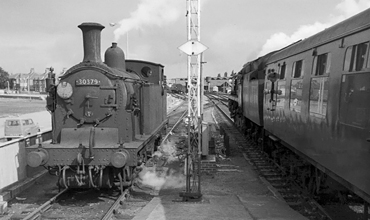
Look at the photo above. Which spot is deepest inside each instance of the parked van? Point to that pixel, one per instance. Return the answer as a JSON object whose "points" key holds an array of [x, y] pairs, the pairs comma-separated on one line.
{"points": [[20, 127]]}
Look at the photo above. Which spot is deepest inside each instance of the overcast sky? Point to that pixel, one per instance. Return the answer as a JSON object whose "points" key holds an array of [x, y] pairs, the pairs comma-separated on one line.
{"points": [[42, 33]]}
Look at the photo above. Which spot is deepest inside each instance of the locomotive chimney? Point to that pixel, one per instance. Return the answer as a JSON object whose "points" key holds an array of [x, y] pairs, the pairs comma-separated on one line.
{"points": [[115, 57], [91, 40]]}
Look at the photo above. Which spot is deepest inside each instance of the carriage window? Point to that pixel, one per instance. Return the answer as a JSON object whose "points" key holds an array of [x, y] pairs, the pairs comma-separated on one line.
{"points": [[296, 95], [280, 96], [297, 69], [321, 64], [354, 99], [282, 71], [319, 96], [266, 92], [355, 57]]}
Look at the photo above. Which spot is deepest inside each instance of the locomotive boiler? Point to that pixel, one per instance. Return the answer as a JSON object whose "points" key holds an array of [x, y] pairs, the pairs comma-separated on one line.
{"points": [[107, 117], [307, 106]]}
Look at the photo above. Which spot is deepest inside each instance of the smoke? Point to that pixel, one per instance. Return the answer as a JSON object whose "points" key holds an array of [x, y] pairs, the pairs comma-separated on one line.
{"points": [[149, 12], [352, 7], [167, 151], [160, 176], [152, 12], [347, 8]]}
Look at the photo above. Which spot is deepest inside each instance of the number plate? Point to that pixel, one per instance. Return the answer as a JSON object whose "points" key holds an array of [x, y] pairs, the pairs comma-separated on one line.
{"points": [[87, 82]]}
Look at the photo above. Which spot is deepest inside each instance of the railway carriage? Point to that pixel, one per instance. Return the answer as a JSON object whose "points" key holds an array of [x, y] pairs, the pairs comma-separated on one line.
{"points": [[315, 97]]}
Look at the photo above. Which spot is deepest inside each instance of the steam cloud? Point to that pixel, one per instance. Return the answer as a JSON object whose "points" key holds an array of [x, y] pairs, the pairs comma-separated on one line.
{"points": [[279, 40], [157, 179], [149, 12], [162, 177], [167, 150]]}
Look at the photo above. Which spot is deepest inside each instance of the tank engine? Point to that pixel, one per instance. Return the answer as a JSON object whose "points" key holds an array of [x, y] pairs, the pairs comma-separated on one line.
{"points": [[178, 88], [107, 118], [312, 98]]}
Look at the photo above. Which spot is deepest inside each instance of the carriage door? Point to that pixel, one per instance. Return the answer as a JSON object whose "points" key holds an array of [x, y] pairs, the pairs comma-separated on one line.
{"points": [[355, 92], [355, 102], [271, 90]]}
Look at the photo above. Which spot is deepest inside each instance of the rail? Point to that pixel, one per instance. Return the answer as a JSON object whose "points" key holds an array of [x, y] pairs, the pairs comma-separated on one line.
{"points": [[37, 212], [113, 209], [174, 126]]}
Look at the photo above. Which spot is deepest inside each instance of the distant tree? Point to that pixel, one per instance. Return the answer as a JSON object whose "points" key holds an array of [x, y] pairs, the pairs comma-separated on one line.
{"points": [[219, 75], [225, 74], [4, 77]]}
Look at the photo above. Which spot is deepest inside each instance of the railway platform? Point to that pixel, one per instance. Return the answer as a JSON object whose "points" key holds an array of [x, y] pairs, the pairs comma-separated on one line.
{"points": [[253, 205], [233, 191]]}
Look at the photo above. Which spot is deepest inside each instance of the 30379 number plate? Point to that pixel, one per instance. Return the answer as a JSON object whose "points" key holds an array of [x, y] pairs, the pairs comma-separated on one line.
{"points": [[87, 82]]}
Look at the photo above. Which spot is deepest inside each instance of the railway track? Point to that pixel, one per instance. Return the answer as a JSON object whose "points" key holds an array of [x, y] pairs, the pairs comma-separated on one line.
{"points": [[179, 96], [36, 214], [107, 204], [177, 114], [282, 187], [174, 110], [51, 209], [113, 209], [176, 119]]}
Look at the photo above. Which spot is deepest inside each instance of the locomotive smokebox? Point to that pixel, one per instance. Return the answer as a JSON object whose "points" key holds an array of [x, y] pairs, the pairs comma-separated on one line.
{"points": [[91, 41], [114, 57]]}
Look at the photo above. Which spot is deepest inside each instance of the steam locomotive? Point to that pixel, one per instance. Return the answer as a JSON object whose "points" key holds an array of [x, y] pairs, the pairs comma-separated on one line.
{"points": [[178, 88], [308, 107], [107, 118]]}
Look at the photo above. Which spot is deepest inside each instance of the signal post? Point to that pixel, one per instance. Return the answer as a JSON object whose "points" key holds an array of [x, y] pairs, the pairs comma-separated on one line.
{"points": [[194, 49]]}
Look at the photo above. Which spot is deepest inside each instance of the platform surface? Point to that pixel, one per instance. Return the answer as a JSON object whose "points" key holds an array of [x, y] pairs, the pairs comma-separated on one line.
{"points": [[235, 191], [219, 207]]}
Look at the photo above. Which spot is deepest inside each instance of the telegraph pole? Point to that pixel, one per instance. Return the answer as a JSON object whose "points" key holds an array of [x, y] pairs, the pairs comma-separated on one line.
{"points": [[194, 49]]}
